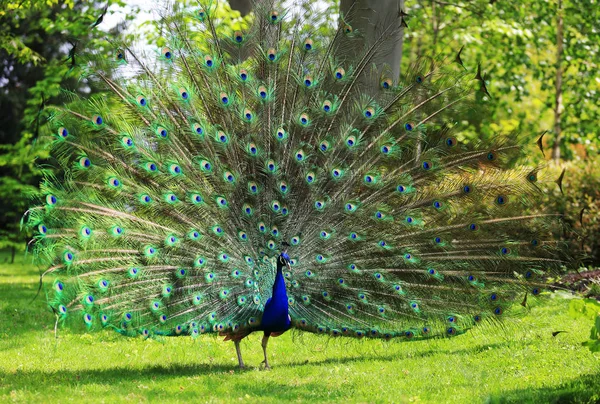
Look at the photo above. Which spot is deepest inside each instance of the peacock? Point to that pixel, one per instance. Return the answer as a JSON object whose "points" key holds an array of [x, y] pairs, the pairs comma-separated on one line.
{"points": [[274, 178]]}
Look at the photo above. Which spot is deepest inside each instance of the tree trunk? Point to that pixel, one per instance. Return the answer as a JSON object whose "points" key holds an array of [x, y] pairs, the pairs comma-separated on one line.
{"points": [[558, 104], [243, 6], [369, 18]]}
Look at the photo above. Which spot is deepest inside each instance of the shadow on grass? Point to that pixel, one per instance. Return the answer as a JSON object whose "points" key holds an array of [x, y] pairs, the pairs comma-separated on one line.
{"points": [[584, 389], [119, 373], [413, 355], [153, 380], [8, 275], [124, 380]]}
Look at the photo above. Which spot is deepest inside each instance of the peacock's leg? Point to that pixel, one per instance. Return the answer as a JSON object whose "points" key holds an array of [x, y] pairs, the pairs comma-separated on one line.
{"points": [[239, 353], [265, 341]]}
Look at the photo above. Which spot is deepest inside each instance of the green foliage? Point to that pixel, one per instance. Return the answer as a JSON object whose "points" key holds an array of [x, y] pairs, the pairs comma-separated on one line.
{"points": [[17, 187], [19, 11], [520, 362], [588, 309], [517, 49], [581, 185], [35, 42], [516, 46]]}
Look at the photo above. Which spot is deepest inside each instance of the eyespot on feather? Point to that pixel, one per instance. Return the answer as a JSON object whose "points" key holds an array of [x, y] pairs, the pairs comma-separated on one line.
{"points": [[184, 94], [262, 92], [451, 141], [308, 81], [224, 98], [84, 163], [492, 155], [308, 44], [120, 56], [97, 120], [238, 37], [303, 119], [386, 83], [274, 17], [166, 53], [161, 132]]}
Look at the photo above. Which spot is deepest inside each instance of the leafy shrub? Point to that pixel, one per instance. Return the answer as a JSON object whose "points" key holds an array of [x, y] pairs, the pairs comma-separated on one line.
{"points": [[588, 309], [581, 187]]}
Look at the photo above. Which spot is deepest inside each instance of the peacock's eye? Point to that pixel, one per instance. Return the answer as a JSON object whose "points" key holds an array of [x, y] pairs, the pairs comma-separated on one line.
{"points": [[238, 36], [84, 162], [51, 200], [167, 53]]}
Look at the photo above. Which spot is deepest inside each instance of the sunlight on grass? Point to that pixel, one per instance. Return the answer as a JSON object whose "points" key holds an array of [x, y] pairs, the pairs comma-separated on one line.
{"points": [[519, 362]]}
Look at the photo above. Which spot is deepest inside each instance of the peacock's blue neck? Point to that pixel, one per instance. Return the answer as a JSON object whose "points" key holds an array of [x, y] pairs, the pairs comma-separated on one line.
{"points": [[276, 317], [279, 291]]}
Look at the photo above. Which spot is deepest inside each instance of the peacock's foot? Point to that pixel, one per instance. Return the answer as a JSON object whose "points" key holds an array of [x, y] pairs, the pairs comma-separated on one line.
{"points": [[267, 367]]}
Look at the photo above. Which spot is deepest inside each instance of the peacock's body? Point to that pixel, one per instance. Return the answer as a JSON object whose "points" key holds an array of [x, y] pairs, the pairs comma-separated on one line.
{"points": [[182, 188]]}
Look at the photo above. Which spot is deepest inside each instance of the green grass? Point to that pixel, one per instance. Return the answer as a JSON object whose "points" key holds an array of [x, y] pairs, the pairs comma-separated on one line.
{"points": [[520, 362]]}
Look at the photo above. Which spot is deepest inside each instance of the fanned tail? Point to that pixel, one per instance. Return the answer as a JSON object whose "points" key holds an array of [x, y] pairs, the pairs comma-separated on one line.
{"points": [[178, 186]]}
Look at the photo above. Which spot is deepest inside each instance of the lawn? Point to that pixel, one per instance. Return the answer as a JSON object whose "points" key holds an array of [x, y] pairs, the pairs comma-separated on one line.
{"points": [[520, 362]]}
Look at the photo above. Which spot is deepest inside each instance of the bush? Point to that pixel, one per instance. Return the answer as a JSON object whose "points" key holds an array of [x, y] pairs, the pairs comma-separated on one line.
{"points": [[581, 187]]}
